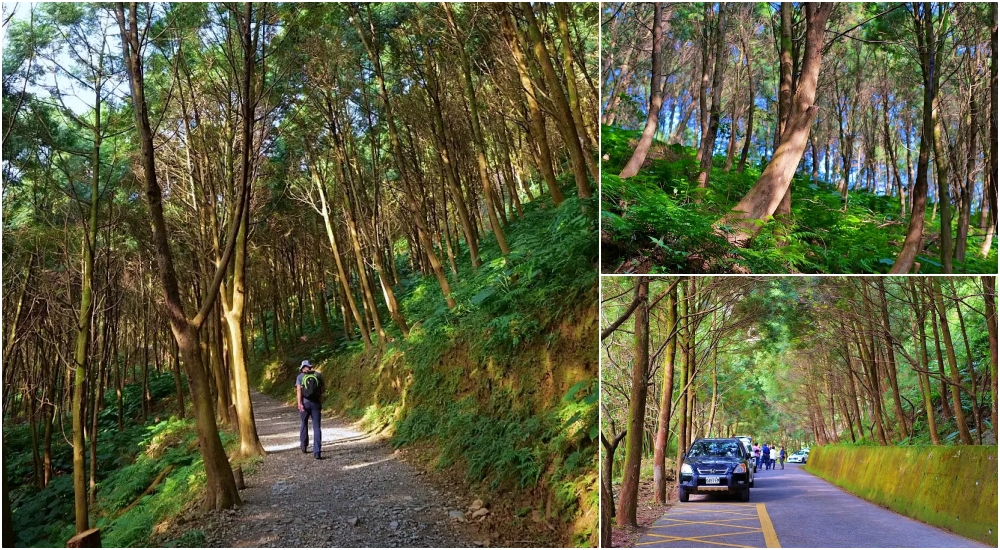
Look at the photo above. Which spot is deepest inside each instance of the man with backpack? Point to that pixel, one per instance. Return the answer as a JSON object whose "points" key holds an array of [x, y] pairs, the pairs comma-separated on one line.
{"points": [[309, 394]]}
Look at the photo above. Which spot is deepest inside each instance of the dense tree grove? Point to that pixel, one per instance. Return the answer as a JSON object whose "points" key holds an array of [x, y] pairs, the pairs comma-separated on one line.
{"points": [[890, 105], [797, 361], [181, 181]]}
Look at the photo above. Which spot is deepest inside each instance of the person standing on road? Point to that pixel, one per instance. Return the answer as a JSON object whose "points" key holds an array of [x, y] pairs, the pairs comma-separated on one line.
{"points": [[756, 454], [782, 455], [309, 394], [774, 457], [765, 454]]}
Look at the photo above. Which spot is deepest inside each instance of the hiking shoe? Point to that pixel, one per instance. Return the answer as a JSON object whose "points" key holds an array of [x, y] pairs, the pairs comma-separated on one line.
{"points": [[320, 458]]}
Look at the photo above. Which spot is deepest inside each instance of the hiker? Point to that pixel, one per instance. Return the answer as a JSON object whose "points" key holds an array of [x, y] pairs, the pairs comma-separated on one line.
{"points": [[765, 452], [756, 455], [309, 394], [774, 457], [782, 456]]}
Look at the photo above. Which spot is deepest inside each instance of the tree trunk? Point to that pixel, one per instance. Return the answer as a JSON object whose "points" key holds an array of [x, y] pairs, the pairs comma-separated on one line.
{"points": [[571, 136], [748, 137], [920, 314], [913, 243], [666, 397], [965, 214], [785, 88], [763, 199], [220, 486], [637, 410], [708, 146], [81, 355], [956, 380], [990, 301], [655, 99], [904, 431], [477, 135]]}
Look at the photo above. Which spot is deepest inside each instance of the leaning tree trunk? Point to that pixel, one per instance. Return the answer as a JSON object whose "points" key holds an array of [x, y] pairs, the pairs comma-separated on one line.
{"points": [[785, 89], [655, 99], [763, 199]]}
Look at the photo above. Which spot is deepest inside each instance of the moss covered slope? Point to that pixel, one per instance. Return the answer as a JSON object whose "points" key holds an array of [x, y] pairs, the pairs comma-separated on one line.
{"points": [[920, 482]]}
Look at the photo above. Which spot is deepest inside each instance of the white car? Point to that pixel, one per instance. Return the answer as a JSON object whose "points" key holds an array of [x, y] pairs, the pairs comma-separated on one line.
{"points": [[799, 457]]}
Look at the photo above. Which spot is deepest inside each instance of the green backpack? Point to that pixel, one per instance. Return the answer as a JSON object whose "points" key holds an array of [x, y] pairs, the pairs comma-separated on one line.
{"points": [[312, 387]]}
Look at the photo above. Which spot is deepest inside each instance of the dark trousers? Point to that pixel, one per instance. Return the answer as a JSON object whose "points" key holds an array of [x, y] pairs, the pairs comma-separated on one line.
{"points": [[311, 410]]}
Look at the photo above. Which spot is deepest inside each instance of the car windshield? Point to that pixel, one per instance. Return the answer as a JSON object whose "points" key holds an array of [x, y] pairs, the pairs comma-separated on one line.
{"points": [[714, 449]]}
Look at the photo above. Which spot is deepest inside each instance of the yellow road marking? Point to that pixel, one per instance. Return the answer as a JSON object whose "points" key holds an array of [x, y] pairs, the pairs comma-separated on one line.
{"points": [[677, 537], [693, 539], [770, 536], [720, 522]]}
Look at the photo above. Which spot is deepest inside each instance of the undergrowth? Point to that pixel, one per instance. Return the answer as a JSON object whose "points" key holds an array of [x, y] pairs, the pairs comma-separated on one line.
{"points": [[127, 463], [504, 385], [659, 221]]}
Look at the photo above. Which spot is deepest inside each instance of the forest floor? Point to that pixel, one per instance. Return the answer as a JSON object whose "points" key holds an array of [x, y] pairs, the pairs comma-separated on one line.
{"points": [[362, 495]]}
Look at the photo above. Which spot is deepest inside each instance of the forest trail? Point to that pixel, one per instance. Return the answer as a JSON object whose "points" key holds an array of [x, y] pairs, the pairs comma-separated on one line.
{"points": [[362, 495]]}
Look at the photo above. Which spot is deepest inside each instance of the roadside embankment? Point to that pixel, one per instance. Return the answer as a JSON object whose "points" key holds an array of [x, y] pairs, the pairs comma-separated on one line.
{"points": [[953, 487]]}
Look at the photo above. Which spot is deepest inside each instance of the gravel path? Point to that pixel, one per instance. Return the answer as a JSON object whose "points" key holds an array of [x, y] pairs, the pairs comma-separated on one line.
{"points": [[362, 495]]}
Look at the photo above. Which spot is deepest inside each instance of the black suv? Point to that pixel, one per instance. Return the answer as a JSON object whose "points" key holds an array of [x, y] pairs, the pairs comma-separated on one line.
{"points": [[716, 466]]}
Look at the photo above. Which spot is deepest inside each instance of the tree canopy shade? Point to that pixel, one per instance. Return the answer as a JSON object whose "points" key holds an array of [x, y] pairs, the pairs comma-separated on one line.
{"points": [[845, 138], [184, 181], [794, 361]]}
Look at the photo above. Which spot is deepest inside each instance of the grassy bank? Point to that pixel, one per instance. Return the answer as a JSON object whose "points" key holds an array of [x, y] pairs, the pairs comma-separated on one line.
{"points": [[502, 388], [954, 487]]}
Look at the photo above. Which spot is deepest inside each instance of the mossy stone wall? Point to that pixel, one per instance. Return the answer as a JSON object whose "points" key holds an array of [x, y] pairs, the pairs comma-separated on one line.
{"points": [[953, 487]]}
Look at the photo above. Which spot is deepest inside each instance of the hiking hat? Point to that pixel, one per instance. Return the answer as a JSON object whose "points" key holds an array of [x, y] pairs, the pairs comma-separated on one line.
{"points": [[304, 364]]}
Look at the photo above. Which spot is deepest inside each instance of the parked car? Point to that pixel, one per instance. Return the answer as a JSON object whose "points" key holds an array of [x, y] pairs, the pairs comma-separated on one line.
{"points": [[748, 445], [798, 456], [718, 465]]}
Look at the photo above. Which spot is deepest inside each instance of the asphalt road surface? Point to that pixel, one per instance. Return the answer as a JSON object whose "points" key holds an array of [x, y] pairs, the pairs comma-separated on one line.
{"points": [[793, 508]]}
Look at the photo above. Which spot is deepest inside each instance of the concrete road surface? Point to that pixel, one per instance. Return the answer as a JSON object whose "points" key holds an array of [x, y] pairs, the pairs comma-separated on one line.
{"points": [[794, 509]]}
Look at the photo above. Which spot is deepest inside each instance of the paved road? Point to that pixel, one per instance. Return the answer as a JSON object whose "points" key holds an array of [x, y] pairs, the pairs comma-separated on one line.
{"points": [[793, 508]]}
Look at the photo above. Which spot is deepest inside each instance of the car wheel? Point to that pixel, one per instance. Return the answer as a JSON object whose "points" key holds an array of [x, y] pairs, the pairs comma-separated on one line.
{"points": [[682, 495], [745, 495]]}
